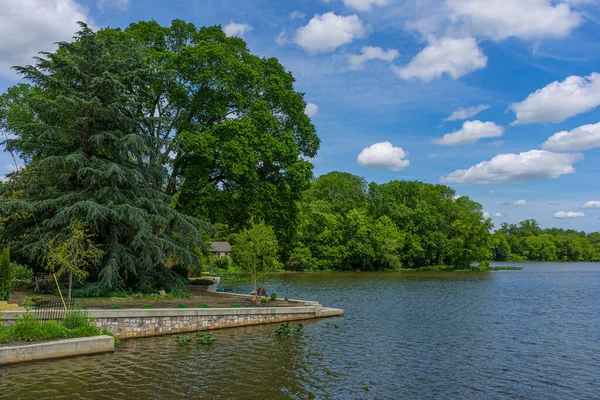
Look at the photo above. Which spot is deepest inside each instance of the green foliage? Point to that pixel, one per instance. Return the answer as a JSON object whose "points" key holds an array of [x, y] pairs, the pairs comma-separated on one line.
{"points": [[147, 306], [5, 336], [222, 263], [285, 329], [273, 296], [527, 241], [203, 305], [181, 339], [264, 299], [6, 275], [75, 319], [117, 307], [236, 306], [345, 224], [205, 338], [254, 250], [29, 329], [21, 274], [182, 306], [85, 128]]}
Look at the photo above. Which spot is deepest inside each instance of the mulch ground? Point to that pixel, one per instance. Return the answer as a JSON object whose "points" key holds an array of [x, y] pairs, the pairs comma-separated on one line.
{"points": [[199, 296]]}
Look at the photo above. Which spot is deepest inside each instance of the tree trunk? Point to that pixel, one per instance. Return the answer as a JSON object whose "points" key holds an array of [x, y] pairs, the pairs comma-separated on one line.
{"points": [[70, 284]]}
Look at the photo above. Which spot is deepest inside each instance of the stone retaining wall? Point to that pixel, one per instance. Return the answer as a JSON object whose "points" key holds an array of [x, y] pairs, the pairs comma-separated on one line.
{"points": [[132, 323]]}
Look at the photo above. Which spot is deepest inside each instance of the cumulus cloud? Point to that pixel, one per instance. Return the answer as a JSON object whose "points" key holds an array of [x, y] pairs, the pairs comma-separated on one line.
{"points": [[466, 113], [357, 61], [568, 214], [520, 203], [516, 168], [365, 5], [591, 204], [383, 156], [471, 133], [325, 33], [498, 215], [30, 26], [121, 4], [311, 110], [525, 19], [486, 214], [455, 57], [236, 29], [583, 138], [559, 100]]}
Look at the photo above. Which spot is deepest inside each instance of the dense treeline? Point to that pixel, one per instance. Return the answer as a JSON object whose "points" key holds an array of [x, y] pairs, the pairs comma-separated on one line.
{"points": [[528, 242], [346, 224]]}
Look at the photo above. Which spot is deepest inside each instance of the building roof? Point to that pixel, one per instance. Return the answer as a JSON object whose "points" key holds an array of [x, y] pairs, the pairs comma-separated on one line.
{"points": [[220, 247]]}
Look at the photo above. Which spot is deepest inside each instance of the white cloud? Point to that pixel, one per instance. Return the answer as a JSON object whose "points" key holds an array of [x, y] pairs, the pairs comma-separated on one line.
{"points": [[525, 19], [282, 39], [559, 100], [486, 214], [568, 214], [583, 138], [325, 33], [455, 57], [591, 204], [498, 215], [383, 156], [236, 29], [121, 4], [520, 203], [365, 5], [471, 133], [357, 61], [466, 113], [516, 168], [297, 15], [311, 110], [30, 26]]}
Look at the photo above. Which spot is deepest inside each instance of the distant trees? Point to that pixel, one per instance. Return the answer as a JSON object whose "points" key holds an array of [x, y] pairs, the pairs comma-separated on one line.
{"points": [[527, 241], [346, 224]]}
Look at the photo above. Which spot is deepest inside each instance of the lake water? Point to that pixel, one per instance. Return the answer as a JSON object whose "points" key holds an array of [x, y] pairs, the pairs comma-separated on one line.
{"points": [[530, 334]]}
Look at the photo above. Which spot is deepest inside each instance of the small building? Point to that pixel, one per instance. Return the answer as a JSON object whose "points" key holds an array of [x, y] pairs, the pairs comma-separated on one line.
{"points": [[220, 249]]}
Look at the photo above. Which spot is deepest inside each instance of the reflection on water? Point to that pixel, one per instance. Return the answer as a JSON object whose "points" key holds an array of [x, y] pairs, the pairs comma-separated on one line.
{"points": [[520, 334]]}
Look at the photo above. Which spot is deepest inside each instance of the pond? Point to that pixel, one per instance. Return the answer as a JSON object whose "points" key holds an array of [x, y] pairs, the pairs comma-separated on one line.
{"points": [[524, 334]]}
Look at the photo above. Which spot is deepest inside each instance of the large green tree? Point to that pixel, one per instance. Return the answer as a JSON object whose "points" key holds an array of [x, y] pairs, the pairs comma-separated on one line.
{"points": [[229, 125], [79, 129]]}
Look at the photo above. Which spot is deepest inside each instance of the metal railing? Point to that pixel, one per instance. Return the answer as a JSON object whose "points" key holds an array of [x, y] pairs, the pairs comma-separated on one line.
{"points": [[55, 310]]}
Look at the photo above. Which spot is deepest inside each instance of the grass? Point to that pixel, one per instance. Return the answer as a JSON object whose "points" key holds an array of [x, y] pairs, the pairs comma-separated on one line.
{"points": [[29, 329], [236, 306], [203, 305], [147, 306]]}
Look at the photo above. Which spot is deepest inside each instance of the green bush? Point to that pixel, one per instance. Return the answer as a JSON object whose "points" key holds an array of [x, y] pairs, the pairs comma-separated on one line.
{"points": [[182, 306], [4, 334], [117, 307], [147, 306], [84, 331], [203, 305], [6, 275], [236, 306], [75, 319], [21, 274], [264, 299], [273, 296]]}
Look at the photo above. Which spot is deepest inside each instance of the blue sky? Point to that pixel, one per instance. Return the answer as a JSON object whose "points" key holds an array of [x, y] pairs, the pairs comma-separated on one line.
{"points": [[521, 79]]}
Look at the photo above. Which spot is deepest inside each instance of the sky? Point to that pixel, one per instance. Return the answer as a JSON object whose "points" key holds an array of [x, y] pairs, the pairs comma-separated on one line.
{"points": [[499, 99]]}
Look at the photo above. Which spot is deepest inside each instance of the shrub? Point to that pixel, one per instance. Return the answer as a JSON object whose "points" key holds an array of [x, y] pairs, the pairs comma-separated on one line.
{"points": [[264, 299], [222, 263], [205, 338], [179, 294], [21, 274], [182, 306], [6, 275], [85, 331], [75, 319], [273, 296], [117, 307], [147, 306], [203, 305], [4, 334], [236, 306]]}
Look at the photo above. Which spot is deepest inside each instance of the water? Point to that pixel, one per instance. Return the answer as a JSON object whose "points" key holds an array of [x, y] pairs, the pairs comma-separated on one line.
{"points": [[530, 334]]}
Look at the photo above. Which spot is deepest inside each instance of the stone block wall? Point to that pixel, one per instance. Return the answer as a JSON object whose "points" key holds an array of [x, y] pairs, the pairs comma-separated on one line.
{"points": [[131, 327]]}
